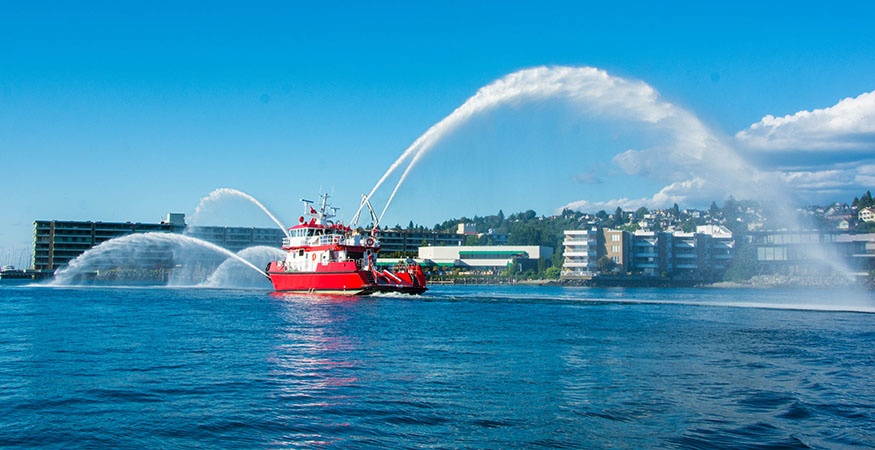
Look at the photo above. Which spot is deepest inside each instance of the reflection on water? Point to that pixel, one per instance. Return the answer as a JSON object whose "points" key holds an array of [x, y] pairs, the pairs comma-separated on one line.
{"points": [[460, 367], [312, 364]]}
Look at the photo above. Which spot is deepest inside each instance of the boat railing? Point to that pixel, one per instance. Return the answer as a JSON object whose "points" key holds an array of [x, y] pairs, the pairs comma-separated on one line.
{"points": [[327, 239]]}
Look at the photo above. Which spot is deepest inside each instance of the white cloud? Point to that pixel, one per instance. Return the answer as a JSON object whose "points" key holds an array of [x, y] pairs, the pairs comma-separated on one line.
{"points": [[848, 125], [687, 192], [818, 180], [823, 154], [865, 175]]}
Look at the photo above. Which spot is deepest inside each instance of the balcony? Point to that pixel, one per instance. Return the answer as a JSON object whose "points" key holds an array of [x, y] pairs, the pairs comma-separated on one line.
{"points": [[578, 264], [580, 254]]}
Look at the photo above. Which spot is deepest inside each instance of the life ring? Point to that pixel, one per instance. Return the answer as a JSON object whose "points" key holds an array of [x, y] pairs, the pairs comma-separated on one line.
{"points": [[369, 241], [314, 257]]}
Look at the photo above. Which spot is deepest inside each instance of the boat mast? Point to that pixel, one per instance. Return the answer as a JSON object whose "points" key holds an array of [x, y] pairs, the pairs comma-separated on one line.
{"points": [[355, 219]]}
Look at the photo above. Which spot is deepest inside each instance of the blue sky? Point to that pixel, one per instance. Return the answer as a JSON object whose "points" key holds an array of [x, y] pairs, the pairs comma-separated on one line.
{"points": [[121, 111]]}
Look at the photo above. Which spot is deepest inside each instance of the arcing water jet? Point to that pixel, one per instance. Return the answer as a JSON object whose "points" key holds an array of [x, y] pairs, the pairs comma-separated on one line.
{"points": [[700, 163], [127, 251], [229, 275], [228, 192], [594, 91]]}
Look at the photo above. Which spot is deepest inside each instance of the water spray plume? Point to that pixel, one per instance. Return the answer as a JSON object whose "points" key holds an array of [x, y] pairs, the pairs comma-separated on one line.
{"points": [[228, 192], [127, 250], [697, 164], [229, 275], [595, 92]]}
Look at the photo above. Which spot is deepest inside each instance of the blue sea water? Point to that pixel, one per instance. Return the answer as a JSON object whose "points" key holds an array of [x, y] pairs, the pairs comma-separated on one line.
{"points": [[460, 367]]}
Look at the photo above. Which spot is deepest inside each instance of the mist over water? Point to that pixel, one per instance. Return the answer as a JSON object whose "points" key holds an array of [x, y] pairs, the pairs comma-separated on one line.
{"points": [[148, 257], [231, 272], [140, 251]]}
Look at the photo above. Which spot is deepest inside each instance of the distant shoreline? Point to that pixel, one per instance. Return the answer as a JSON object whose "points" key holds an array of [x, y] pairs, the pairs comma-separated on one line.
{"points": [[757, 282]]}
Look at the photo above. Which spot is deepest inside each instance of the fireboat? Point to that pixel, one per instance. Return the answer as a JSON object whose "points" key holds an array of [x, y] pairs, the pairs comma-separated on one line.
{"points": [[324, 257]]}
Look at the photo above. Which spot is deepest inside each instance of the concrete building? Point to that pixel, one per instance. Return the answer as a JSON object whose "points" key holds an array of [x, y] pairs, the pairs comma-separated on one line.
{"points": [[704, 254], [651, 253], [466, 229], [407, 242], [580, 253], [238, 238], [812, 252], [56, 243], [720, 245], [484, 258], [616, 245]]}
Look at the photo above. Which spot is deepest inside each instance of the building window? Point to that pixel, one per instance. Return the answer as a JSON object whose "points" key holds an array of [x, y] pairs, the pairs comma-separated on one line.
{"points": [[615, 238], [615, 249]]}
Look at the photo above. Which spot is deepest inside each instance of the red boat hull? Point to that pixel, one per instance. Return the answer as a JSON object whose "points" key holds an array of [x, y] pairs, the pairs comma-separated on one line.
{"points": [[345, 279]]}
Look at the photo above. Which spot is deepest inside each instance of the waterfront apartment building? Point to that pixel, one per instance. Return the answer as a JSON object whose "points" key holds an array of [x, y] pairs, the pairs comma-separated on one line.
{"points": [[616, 245], [581, 253], [590, 252], [704, 254]]}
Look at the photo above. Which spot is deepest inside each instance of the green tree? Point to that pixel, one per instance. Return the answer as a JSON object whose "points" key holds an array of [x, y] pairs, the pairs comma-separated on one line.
{"points": [[606, 264], [744, 263], [866, 200], [714, 210], [524, 234], [641, 212], [552, 273]]}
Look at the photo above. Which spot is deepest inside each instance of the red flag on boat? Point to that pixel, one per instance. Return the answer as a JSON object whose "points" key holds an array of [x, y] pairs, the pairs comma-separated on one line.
{"points": [[312, 211]]}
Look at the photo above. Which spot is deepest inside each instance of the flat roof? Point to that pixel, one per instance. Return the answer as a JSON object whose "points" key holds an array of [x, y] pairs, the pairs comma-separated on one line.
{"points": [[493, 252]]}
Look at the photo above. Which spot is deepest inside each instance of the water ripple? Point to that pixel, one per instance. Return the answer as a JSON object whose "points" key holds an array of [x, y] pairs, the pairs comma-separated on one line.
{"points": [[463, 367]]}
